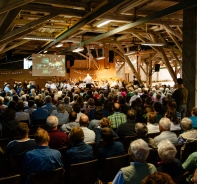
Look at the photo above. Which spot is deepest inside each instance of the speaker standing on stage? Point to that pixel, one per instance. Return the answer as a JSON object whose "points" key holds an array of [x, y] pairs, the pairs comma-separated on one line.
{"points": [[88, 81]]}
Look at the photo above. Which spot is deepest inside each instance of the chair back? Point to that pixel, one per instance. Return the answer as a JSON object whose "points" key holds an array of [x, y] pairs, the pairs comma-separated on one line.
{"points": [[85, 172], [181, 179], [178, 148], [188, 149], [127, 141], [15, 163], [33, 129], [11, 180], [110, 167], [48, 177]]}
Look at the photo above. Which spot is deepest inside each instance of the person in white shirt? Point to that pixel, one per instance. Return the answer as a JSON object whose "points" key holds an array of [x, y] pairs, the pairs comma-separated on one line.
{"points": [[133, 98], [152, 125], [89, 135], [88, 81]]}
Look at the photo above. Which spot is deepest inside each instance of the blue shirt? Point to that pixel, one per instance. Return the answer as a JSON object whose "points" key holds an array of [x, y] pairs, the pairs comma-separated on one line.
{"points": [[79, 152], [39, 113], [49, 107], [194, 121], [42, 158]]}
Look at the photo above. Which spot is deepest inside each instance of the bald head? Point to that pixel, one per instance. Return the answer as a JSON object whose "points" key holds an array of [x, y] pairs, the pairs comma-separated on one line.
{"points": [[116, 106], [84, 120]]}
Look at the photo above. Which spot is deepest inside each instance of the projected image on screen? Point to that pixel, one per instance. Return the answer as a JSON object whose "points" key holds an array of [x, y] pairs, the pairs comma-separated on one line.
{"points": [[48, 65]]}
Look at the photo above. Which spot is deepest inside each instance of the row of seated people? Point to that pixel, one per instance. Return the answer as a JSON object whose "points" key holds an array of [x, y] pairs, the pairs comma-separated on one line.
{"points": [[42, 158], [141, 127]]}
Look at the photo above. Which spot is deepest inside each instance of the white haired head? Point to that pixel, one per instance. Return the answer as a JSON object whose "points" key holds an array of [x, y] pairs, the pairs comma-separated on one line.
{"points": [[139, 150]]}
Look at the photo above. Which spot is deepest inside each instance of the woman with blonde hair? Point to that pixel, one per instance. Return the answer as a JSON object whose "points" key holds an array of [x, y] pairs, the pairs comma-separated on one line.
{"points": [[152, 125]]}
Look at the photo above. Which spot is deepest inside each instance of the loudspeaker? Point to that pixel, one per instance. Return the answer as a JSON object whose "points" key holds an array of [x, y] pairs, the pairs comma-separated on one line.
{"points": [[157, 67], [9, 56], [111, 56], [67, 70]]}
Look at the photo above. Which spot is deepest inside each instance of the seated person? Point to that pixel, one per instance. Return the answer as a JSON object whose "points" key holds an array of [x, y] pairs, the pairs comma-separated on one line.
{"points": [[127, 128], [23, 144], [21, 115], [57, 139], [142, 133], [164, 127], [89, 135], [103, 123], [110, 147], [194, 117], [169, 163], [61, 114], [152, 125], [39, 113], [189, 133], [42, 158], [138, 169], [79, 151], [72, 123], [190, 165]]}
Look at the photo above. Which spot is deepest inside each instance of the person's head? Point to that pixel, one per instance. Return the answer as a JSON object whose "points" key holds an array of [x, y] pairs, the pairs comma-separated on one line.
{"points": [[41, 137], [76, 135], [98, 113], [158, 177], [172, 104], [48, 99], [116, 107], [12, 105], [107, 134], [157, 107], [52, 122], [194, 111], [152, 118], [148, 101], [179, 81], [22, 130], [166, 151], [131, 114], [186, 124], [72, 116], [30, 103], [1, 100], [66, 100], [105, 122], [172, 115], [91, 101], [61, 108], [39, 103], [164, 124], [139, 150], [75, 97], [141, 129], [20, 106], [76, 108], [84, 120]]}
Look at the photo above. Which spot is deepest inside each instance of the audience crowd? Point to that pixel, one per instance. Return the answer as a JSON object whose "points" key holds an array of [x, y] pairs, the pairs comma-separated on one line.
{"points": [[92, 123]]}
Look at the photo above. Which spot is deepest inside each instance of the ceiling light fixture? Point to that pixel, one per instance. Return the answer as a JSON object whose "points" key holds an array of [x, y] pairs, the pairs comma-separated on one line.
{"points": [[153, 44], [41, 38], [79, 49], [45, 51], [103, 23], [59, 45]]}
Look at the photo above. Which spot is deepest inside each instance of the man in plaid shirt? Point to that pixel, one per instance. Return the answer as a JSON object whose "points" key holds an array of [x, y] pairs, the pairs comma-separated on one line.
{"points": [[117, 117]]}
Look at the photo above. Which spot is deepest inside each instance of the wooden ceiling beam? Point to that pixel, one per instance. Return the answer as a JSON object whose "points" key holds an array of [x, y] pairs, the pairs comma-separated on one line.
{"points": [[15, 33], [65, 3], [13, 4], [11, 16], [14, 46], [173, 32], [51, 9]]}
